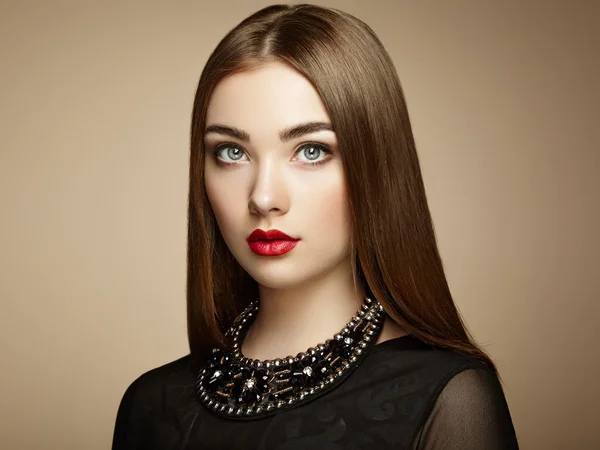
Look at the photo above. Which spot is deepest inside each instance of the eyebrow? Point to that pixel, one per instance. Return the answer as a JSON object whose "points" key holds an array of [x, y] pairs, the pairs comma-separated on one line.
{"points": [[284, 135]]}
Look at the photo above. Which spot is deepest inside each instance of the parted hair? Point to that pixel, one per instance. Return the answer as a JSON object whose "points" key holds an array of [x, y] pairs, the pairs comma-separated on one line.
{"points": [[393, 245]]}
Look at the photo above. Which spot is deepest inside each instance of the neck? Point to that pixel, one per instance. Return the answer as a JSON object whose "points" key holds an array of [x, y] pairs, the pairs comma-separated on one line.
{"points": [[293, 319]]}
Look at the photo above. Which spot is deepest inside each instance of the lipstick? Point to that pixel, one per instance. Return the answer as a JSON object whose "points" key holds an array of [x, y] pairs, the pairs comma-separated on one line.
{"points": [[271, 242]]}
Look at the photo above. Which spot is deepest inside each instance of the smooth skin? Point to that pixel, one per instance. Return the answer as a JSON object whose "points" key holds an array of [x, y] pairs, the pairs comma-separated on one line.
{"points": [[256, 179]]}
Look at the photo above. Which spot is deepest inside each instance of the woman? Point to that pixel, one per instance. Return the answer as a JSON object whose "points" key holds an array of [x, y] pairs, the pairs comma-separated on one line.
{"points": [[310, 235]]}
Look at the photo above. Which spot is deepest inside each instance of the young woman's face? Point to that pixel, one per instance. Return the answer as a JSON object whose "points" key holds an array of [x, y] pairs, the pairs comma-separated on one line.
{"points": [[257, 177]]}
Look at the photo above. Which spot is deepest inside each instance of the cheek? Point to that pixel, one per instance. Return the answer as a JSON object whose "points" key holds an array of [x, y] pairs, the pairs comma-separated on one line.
{"points": [[333, 212], [222, 201]]}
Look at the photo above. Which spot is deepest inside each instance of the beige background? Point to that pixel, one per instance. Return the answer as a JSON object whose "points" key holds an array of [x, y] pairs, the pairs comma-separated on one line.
{"points": [[95, 104]]}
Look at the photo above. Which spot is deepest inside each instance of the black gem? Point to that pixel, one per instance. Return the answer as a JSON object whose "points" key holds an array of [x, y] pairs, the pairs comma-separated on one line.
{"points": [[251, 386], [214, 380]]}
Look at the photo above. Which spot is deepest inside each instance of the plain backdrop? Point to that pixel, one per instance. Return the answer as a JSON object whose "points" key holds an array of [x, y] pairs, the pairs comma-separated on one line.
{"points": [[95, 103]]}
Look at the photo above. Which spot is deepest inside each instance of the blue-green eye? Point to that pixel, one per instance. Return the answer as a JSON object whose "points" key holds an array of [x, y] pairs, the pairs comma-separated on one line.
{"points": [[312, 152], [230, 154]]}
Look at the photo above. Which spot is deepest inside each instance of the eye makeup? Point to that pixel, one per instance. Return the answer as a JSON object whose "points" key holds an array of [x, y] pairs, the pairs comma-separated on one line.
{"points": [[215, 150]]}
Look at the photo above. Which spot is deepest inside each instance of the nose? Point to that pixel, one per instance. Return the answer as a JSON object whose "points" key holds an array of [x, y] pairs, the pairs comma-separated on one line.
{"points": [[268, 195]]}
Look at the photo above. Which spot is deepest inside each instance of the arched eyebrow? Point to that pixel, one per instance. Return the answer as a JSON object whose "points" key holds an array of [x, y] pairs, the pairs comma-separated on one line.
{"points": [[286, 134]]}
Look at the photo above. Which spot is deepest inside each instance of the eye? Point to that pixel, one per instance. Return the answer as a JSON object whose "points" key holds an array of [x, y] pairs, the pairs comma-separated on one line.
{"points": [[312, 151], [231, 151]]}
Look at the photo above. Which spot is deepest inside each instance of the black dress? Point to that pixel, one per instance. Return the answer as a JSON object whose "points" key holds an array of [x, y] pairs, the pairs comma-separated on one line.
{"points": [[404, 395]]}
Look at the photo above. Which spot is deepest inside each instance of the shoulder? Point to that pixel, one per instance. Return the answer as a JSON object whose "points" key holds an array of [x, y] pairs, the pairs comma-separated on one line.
{"points": [[462, 401], [169, 373], [162, 399], [407, 356]]}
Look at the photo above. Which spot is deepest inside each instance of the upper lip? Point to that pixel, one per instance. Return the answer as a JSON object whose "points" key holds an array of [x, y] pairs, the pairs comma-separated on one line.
{"points": [[269, 235]]}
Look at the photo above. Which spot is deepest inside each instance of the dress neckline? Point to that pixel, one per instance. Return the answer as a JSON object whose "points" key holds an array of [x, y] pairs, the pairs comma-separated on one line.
{"points": [[405, 342]]}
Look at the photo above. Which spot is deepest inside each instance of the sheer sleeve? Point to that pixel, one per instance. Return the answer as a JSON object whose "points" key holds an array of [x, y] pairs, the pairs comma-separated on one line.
{"points": [[470, 413]]}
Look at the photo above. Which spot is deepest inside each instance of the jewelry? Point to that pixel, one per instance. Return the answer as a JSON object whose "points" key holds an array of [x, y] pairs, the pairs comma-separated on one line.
{"points": [[237, 387]]}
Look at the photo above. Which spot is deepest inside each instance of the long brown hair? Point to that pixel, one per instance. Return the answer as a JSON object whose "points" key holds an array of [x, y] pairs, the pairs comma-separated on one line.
{"points": [[395, 254]]}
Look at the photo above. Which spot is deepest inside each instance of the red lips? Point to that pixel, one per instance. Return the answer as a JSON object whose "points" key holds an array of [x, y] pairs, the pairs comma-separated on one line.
{"points": [[271, 242], [269, 235]]}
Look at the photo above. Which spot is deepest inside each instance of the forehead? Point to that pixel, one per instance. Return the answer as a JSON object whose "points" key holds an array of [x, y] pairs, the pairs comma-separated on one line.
{"points": [[265, 99]]}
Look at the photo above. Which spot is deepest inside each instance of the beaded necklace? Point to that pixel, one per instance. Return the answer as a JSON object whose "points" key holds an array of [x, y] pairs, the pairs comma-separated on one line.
{"points": [[237, 387]]}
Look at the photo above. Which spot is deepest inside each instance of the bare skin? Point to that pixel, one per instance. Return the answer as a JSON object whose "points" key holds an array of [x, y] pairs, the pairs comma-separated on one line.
{"points": [[262, 181]]}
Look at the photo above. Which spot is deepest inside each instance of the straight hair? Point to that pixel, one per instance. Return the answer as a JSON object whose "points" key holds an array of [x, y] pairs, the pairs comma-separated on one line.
{"points": [[394, 253]]}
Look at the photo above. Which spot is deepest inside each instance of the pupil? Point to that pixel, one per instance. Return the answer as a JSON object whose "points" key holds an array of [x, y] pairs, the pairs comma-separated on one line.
{"points": [[313, 152], [232, 152]]}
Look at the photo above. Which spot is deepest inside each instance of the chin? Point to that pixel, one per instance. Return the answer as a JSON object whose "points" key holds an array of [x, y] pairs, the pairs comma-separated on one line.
{"points": [[279, 281]]}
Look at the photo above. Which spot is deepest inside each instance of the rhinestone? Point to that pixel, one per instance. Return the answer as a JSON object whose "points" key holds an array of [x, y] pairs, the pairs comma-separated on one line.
{"points": [[230, 410], [277, 362], [239, 411], [279, 403], [312, 390], [353, 359], [291, 400], [307, 371], [362, 344], [358, 351], [258, 409]]}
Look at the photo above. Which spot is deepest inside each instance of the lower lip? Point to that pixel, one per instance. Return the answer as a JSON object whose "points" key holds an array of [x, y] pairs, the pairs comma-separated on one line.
{"points": [[272, 248]]}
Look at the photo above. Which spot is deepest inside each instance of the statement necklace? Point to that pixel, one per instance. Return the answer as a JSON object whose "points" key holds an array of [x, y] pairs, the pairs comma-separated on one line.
{"points": [[237, 387]]}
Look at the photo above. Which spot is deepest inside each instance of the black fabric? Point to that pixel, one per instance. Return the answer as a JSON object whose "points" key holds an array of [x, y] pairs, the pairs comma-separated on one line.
{"points": [[404, 395]]}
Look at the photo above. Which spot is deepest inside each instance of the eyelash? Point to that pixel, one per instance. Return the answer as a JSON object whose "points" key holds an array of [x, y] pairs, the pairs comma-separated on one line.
{"points": [[215, 152]]}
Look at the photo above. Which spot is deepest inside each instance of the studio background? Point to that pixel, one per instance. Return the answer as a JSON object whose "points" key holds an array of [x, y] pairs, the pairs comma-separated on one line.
{"points": [[95, 104]]}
